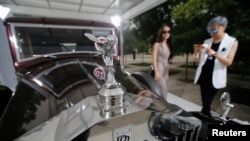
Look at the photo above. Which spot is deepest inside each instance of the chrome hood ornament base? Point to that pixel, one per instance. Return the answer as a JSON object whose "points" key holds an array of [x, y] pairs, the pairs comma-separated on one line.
{"points": [[111, 94]]}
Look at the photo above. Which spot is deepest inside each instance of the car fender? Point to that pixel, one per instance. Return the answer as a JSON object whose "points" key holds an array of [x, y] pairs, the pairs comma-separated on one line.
{"points": [[148, 81]]}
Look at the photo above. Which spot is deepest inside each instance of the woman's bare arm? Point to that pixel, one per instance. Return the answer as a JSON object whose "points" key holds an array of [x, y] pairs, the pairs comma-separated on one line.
{"points": [[230, 57], [154, 58], [197, 54]]}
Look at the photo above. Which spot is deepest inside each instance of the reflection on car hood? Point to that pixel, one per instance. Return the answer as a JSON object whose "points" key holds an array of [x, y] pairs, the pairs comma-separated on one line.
{"points": [[83, 115]]}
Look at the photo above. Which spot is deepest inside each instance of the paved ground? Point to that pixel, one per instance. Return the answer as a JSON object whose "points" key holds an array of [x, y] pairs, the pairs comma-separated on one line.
{"points": [[184, 87]]}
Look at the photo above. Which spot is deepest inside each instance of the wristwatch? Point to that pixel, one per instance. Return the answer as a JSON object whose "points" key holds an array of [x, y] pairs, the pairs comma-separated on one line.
{"points": [[213, 53]]}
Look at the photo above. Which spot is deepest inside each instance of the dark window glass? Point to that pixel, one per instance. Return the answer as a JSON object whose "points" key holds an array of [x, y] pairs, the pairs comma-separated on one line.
{"points": [[33, 41]]}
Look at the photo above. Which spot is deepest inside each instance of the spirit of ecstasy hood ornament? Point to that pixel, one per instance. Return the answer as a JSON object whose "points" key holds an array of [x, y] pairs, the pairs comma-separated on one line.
{"points": [[111, 94]]}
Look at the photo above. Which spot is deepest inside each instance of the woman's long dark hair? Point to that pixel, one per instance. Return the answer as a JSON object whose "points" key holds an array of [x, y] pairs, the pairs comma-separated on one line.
{"points": [[169, 41]]}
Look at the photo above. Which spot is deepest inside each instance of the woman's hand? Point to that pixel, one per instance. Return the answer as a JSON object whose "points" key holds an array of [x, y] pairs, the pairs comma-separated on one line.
{"points": [[157, 76], [196, 58], [197, 49]]}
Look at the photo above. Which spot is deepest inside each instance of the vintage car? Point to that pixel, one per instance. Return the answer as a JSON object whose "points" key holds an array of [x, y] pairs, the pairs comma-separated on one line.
{"points": [[62, 80]]}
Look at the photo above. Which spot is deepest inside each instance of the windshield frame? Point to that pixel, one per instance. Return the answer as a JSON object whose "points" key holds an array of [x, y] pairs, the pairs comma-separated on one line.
{"points": [[16, 47]]}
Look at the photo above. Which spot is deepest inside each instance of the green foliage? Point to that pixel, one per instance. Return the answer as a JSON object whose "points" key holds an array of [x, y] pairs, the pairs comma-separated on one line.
{"points": [[148, 24], [132, 43], [189, 10], [130, 40], [189, 24]]}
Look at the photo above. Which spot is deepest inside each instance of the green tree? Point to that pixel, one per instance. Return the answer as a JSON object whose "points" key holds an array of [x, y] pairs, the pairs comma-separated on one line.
{"points": [[189, 19], [130, 40], [189, 26], [147, 25], [196, 14]]}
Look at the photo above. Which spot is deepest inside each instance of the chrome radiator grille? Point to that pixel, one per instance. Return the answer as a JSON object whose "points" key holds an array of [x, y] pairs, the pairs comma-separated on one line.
{"points": [[174, 128]]}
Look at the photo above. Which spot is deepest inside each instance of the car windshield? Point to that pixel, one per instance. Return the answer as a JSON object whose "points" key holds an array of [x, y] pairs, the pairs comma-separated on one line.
{"points": [[34, 40]]}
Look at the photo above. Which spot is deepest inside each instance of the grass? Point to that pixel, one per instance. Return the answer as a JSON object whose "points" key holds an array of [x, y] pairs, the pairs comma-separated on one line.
{"points": [[144, 64], [239, 94], [192, 66]]}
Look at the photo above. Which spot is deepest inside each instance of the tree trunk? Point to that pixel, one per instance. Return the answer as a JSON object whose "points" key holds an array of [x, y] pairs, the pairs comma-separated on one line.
{"points": [[142, 57], [186, 67]]}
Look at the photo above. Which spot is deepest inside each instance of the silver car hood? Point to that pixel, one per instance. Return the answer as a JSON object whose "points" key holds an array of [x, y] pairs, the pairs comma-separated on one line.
{"points": [[85, 114]]}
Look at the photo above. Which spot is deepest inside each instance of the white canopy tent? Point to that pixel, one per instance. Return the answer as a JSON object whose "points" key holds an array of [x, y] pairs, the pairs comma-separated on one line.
{"points": [[97, 10]]}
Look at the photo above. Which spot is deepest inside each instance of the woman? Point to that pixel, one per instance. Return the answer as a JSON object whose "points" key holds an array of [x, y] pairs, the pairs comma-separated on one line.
{"points": [[162, 52], [216, 54]]}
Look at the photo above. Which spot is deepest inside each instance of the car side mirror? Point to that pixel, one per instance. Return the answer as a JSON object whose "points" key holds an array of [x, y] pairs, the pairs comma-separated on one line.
{"points": [[5, 96], [225, 100]]}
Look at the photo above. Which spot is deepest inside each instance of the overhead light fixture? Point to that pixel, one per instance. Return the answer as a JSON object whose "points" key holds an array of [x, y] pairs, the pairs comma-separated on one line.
{"points": [[116, 20], [4, 11]]}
